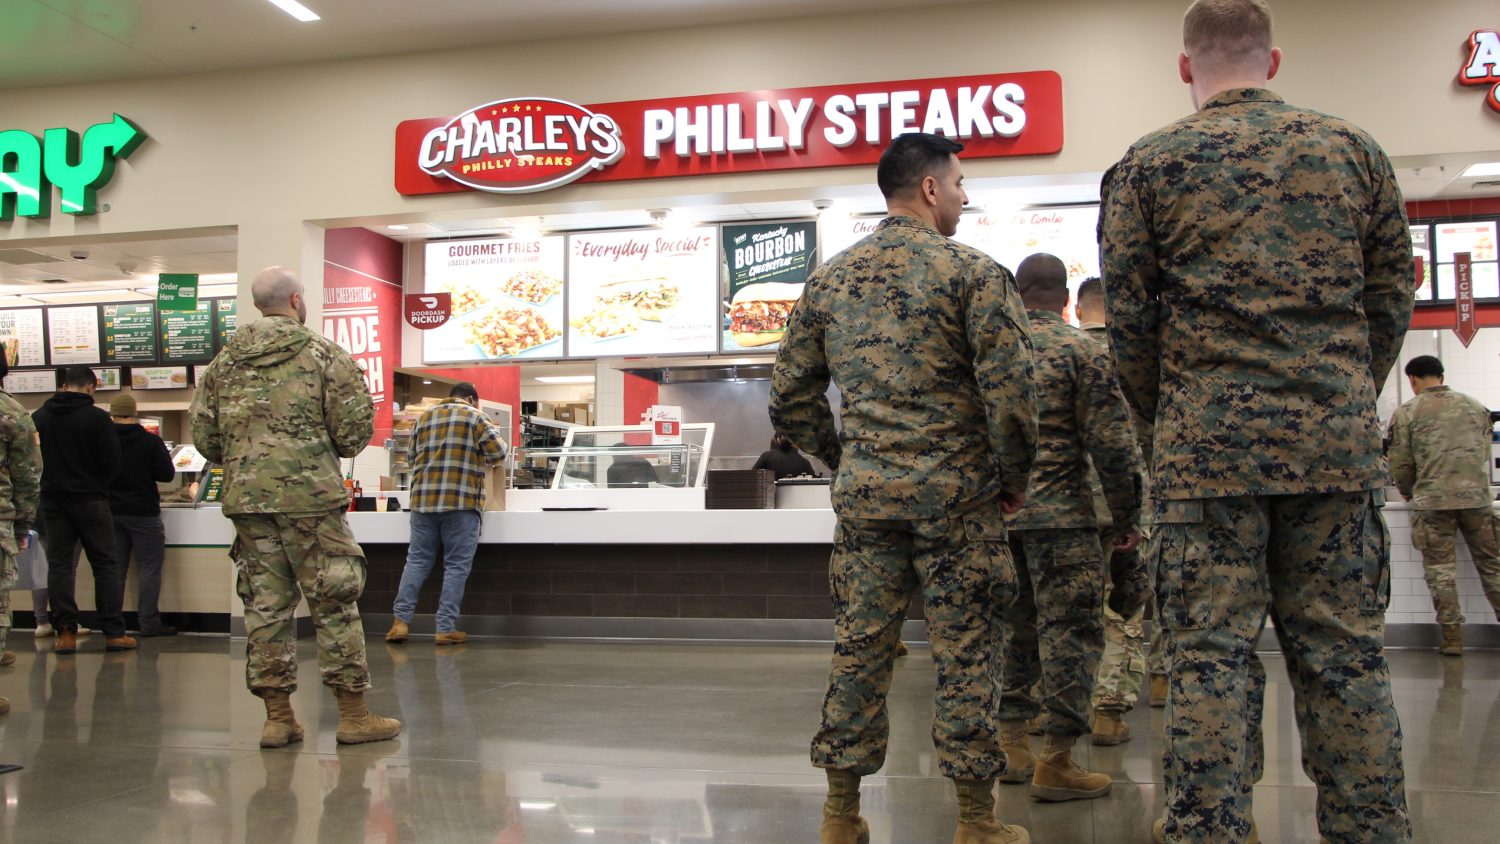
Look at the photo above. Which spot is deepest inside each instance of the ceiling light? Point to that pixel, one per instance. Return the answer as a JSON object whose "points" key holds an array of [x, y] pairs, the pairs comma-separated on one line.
{"points": [[426, 381], [296, 10], [527, 231], [565, 379], [1481, 170], [397, 227]]}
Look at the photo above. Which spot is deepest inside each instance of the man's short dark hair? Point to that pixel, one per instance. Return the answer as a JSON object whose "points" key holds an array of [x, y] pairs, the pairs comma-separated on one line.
{"points": [[80, 376], [1091, 292], [464, 390], [1424, 366], [1043, 282], [911, 158]]}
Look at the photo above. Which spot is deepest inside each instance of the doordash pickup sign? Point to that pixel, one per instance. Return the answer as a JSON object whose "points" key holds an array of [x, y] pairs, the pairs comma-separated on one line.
{"points": [[529, 144]]}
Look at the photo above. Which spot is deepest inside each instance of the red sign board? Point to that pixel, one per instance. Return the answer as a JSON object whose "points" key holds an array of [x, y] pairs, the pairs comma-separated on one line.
{"points": [[1419, 264], [529, 144], [1463, 299], [428, 310]]}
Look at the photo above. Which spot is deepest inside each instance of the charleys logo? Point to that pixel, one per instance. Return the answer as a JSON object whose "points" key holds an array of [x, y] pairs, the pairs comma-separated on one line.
{"points": [[1483, 65], [428, 310], [30, 166], [522, 145]]}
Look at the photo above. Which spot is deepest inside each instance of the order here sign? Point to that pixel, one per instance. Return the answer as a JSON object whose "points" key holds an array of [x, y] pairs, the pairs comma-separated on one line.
{"points": [[527, 144]]}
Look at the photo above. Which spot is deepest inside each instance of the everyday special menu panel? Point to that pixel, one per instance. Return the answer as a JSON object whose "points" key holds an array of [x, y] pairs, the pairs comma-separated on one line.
{"points": [[646, 292], [507, 299], [188, 336], [129, 332]]}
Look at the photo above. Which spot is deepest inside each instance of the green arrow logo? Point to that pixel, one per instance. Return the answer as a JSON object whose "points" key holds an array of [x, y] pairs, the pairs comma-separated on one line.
{"points": [[30, 166]]}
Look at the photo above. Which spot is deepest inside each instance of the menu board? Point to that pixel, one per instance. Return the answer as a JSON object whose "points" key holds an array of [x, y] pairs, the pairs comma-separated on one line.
{"points": [[158, 378], [186, 458], [226, 321], [73, 335], [838, 233], [129, 332], [188, 336], [198, 371], [1486, 278], [109, 379], [1421, 248], [31, 382], [1010, 238], [765, 267], [647, 292], [507, 299], [25, 343], [1475, 238]]}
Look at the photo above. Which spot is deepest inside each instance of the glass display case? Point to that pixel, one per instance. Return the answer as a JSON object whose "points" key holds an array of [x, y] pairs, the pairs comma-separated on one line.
{"points": [[614, 466]]}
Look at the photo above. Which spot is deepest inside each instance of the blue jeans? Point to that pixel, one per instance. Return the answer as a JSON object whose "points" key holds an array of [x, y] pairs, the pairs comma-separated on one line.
{"points": [[457, 532]]}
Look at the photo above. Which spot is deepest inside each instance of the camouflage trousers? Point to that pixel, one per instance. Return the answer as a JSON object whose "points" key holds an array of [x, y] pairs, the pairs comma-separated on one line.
{"points": [[1054, 630], [281, 558], [1432, 532], [1322, 566], [1122, 667], [8, 575], [964, 569]]}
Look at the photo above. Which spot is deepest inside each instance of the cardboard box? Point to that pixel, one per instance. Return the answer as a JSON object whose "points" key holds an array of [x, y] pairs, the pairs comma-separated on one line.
{"points": [[494, 488]]}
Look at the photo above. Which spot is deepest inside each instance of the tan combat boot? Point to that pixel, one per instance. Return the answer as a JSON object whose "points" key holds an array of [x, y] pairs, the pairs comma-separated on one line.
{"points": [[1109, 728], [841, 821], [398, 632], [1453, 640], [1020, 762], [281, 727], [357, 724], [977, 823], [1058, 777], [1159, 690], [901, 648]]}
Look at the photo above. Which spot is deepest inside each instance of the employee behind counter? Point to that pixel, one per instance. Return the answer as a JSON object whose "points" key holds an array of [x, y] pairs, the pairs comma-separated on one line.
{"points": [[784, 460]]}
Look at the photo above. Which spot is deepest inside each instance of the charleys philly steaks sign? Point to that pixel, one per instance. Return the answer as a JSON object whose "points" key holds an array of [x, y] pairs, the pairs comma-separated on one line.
{"points": [[529, 144]]}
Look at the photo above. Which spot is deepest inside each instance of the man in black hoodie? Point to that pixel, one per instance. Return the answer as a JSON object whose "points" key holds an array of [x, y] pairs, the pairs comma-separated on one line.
{"points": [[135, 506], [80, 455]]}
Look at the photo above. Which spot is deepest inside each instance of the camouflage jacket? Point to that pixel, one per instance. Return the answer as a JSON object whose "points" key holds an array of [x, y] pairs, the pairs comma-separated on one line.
{"points": [[1083, 427], [278, 407], [1097, 332], [927, 340], [20, 466], [1440, 450], [1257, 269]]}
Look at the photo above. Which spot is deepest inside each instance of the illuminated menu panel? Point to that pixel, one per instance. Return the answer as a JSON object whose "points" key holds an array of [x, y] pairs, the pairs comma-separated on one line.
{"points": [[507, 299], [646, 292]]}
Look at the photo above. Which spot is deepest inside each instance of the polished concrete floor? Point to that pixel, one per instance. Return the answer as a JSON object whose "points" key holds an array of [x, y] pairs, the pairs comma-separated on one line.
{"points": [[549, 742]]}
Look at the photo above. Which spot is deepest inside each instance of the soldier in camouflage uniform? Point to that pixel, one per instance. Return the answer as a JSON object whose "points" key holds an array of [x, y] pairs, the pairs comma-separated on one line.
{"points": [[1122, 668], [1440, 456], [20, 490], [928, 342], [278, 407], [1054, 630], [1257, 267]]}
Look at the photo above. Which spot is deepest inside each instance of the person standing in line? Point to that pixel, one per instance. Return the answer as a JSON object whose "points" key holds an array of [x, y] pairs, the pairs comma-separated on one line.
{"points": [[1440, 459], [783, 459], [928, 341], [1122, 668], [1257, 270], [452, 445], [1054, 630], [80, 456], [20, 489], [277, 408], [135, 507]]}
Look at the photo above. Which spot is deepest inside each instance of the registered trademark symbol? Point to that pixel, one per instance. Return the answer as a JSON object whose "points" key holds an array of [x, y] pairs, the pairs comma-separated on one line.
{"points": [[106, 206]]}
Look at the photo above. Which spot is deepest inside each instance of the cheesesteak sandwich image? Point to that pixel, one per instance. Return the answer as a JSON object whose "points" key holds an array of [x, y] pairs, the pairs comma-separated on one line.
{"points": [[759, 312]]}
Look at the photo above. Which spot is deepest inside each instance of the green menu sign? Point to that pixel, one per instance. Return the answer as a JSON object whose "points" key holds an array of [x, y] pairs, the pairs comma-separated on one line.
{"points": [[129, 332], [187, 336], [177, 291], [226, 321]]}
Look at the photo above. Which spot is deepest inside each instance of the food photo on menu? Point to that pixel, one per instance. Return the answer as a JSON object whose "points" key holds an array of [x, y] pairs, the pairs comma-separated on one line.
{"points": [[642, 292], [506, 299], [765, 267]]}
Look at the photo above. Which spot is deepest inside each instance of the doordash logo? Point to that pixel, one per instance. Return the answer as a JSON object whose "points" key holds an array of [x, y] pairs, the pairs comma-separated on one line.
{"points": [[521, 145], [1483, 66]]}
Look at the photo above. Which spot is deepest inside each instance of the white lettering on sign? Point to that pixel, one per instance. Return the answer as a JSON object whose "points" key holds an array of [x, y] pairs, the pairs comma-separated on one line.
{"points": [[770, 246], [359, 335], [1484, 58], [721, 128], [528, 135]]}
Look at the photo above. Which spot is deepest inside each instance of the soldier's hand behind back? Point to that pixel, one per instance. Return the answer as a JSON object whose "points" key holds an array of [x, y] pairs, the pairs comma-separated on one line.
{"points": [[1012, 502], [1130, 586]]}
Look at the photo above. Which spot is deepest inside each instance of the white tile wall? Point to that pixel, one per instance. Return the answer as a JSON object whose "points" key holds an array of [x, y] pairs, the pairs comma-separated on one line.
{"points": [[609, 395]]}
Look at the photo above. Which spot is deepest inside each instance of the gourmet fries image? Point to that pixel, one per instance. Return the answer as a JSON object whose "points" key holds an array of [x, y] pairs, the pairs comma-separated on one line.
{"points": [[466, 297], [506, 332], [535, 286]]}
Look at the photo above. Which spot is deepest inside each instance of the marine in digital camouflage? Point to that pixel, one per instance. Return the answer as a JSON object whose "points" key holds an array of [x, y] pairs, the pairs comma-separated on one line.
{"points": [[278, 408], [1083, 429], [928, 343], [1440, 453], [1257, 272], [20, 486]]}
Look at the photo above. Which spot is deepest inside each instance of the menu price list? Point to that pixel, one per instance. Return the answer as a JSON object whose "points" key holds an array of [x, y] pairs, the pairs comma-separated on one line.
{"points": [[21, 332], [188, 336], [158, 377], [31, 382], [73, 335], [130, 333]]}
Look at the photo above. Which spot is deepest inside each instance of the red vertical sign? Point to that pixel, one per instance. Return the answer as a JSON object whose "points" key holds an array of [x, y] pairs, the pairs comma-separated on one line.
{"points": [[1419, 263], [1463, 298], [362, 310]]}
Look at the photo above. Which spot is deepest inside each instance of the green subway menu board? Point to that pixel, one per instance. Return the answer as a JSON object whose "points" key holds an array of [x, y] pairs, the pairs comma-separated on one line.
{"points": [[226, 320], [188, 336], [129, 332]]}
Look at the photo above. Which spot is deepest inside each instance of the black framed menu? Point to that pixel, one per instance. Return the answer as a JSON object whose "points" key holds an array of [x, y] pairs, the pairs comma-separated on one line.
{"points": [[129, 332], [187, 336], [226, 321]]}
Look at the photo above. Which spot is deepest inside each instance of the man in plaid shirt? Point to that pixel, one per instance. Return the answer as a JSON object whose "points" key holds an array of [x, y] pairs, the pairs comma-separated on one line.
{"points": [[451, 446]]}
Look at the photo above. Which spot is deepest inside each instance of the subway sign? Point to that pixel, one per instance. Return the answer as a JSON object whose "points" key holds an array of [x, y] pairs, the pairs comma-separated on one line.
{"points": [[78, 166], [528, 144]]}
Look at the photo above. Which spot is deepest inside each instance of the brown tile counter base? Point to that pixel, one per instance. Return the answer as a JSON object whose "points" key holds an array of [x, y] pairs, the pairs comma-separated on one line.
{"points": [[638, 581]]}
